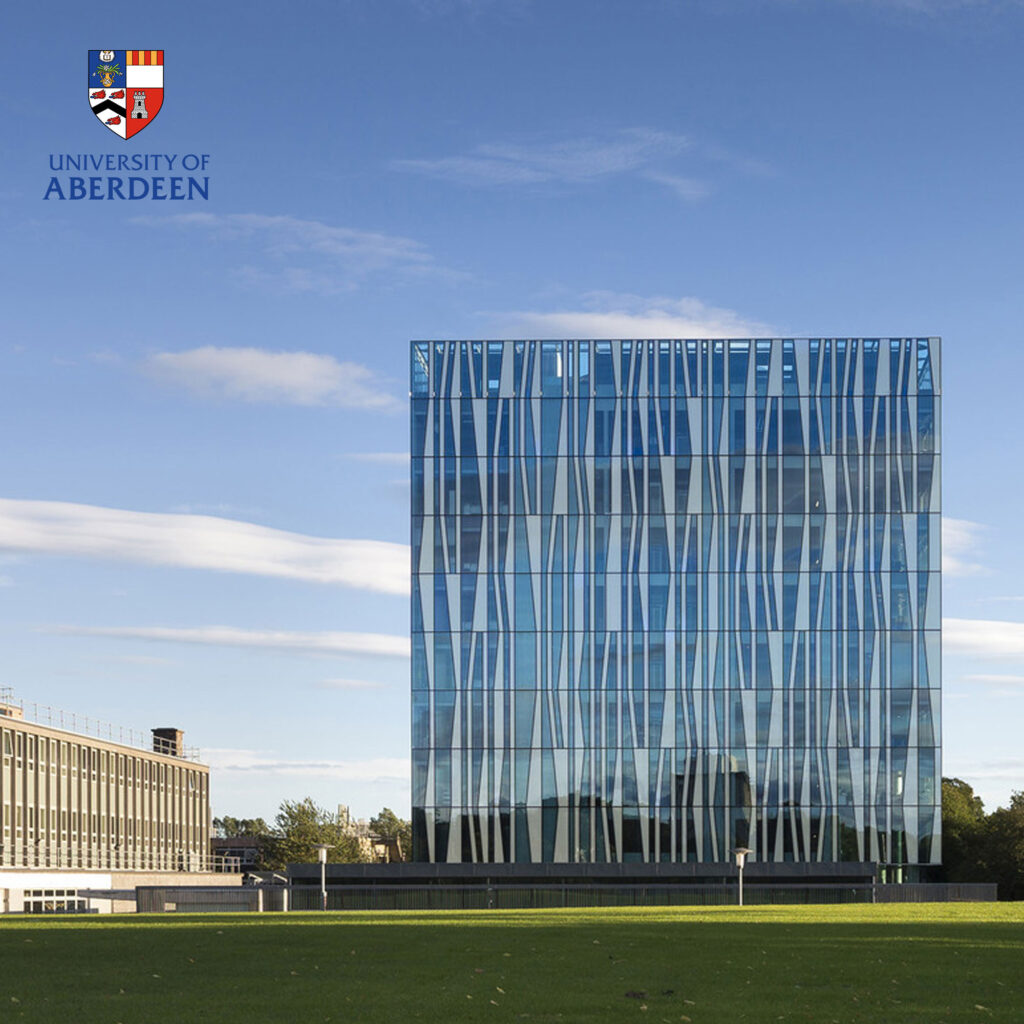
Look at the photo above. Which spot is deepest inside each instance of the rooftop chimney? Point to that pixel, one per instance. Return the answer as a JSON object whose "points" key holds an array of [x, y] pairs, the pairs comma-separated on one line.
{"points": [[169, 741]]}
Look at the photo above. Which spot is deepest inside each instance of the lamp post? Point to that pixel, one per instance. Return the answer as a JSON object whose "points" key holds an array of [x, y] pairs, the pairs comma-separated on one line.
{"points": [[321, 851], [899, 831], [740, 853]]}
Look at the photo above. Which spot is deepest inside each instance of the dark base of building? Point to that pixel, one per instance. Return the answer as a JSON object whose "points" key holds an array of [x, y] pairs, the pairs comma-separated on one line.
{"points": [[839, 873]]}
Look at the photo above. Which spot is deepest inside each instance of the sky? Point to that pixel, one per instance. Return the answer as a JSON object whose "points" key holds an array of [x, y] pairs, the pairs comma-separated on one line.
{"points": [[203, 405]]}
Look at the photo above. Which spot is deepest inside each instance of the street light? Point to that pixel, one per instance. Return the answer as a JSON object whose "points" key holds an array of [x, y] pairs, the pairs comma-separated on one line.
{"points": [[740, 853], [899, 831], [321, 851]]}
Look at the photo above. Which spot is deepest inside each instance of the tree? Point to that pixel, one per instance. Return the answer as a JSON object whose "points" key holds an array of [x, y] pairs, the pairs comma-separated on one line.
{"points": [[982, 848], [1003, 846], [389, 825], [301, 825], [963, 832], [233, 828]]}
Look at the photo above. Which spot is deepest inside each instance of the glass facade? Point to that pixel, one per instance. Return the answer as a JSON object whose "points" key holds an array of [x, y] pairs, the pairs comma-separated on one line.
{"points": [[673, 597]]}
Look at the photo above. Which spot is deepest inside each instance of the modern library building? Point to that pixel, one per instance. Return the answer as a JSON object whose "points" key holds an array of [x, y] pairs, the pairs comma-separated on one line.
{"points": [[674, 598]]}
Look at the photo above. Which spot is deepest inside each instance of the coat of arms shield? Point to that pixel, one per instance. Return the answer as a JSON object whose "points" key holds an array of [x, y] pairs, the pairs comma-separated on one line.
{"points": [[126, 88]]}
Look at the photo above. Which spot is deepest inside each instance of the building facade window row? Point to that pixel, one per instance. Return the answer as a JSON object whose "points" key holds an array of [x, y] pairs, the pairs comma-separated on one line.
{"points": [[72, 802]]}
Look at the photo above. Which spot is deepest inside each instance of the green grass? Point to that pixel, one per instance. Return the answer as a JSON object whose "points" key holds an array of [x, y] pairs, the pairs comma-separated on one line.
{"points": [[921, 963]]}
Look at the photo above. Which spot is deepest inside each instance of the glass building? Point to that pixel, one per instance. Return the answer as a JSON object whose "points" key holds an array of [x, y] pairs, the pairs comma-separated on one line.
{"points": [[674, 597]]}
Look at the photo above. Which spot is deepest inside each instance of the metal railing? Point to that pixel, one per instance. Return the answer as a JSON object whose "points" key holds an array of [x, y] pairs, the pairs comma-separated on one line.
{"points": [[84, 725], [31, 855], [198, 899], [517, 897]]}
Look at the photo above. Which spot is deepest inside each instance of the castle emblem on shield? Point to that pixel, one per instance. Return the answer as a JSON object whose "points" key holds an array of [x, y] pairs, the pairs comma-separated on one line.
{"points": [[126, 88]]}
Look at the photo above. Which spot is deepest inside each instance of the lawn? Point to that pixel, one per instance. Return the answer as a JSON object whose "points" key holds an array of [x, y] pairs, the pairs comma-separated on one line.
{"points": [[921, 963]]}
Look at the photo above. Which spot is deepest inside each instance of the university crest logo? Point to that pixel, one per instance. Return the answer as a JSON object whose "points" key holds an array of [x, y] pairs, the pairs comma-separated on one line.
{"points": [[126, 88]]}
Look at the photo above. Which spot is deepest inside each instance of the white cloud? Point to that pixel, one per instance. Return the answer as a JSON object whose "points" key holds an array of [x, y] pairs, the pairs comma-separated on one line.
{"points": [[960, 538], [307, 255], [571, 160], [229, 760], [994, 685], [998, 769], [686, 188], [217, 508], [348, 684], [505, 9], [201, 542], [133, 659], [987, 638], [379, 645], [926, 7], [938, 6], [385, 458], [610, 315], [259, 375], [644, 152]]}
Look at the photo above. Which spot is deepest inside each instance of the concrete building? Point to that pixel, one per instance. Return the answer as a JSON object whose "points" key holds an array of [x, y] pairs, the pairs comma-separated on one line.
{"points": [[676, 597], [85, 812]]}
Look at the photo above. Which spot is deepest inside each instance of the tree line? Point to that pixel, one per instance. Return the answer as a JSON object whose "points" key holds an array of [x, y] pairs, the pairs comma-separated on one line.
{"points": [[302, 825], [980, 847]]}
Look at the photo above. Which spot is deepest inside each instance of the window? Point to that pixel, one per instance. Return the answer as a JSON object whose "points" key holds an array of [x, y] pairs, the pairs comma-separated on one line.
{"points": [[54, 901]]}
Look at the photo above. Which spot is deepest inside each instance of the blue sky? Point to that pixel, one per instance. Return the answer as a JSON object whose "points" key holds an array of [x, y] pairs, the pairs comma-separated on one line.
{"points": [[203, 496]]}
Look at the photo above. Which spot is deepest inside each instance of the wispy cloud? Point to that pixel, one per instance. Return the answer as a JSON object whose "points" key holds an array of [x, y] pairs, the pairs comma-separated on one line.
{"points": [[380, 645], [505, 9], [230, 760], [924, 7], [938, 6], [690, 189], [987, 638], [1001, 685], [384, 458], [217, 508], [307, 255], [996, 769], [201, 542], [960, 540], [259, 375], [348, 684], [611, 315], [132, 659], [644, 152]]}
